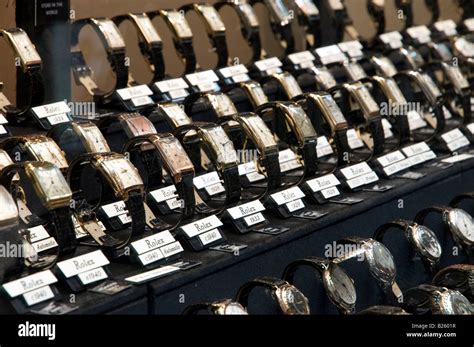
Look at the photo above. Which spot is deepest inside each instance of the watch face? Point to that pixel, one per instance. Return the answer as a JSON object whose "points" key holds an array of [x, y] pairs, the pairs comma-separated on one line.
{"points": [[256, 93], [234, 308], [355, 71], [222, 104], [431, 89], [5, 159], [249, 13], [342, 285], [147, 28], [324, 77], [220, 144], [366, 101], [294, 302], [381, 262], [385, 66], [122, 173], [180, 24], [50, 183], [212, 18], [394, 92], [461, 224], [457, 304], [278, 10], [290, 85], [93, 140], [456, 77], [175, 114], [333, 111], [427, 242], [174, 155], [9, 211], [46, 150], [260, 131], [307, 7], [302, 121], [138, 125], [112, 34], [25, 48]]}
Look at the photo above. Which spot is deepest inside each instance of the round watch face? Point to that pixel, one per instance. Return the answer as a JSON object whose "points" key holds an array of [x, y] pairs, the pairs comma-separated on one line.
{"points": [[460, 223], [381, 262], [293, 301], [456, 303], [234, 308], [340, 286], [426, 242]]}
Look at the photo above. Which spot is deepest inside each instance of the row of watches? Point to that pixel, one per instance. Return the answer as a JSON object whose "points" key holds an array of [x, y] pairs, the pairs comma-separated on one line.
{"points": [[451, 291]]}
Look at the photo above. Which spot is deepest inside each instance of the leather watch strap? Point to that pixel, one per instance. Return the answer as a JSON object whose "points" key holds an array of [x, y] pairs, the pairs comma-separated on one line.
{"points": [[271, 163], [319, 264], [377, 132], [63, 227], [461, 197], [421, 216], [232, 185], [136, 210], [185, 190], [466, 107], [398, 224], [310, 157], [266, 282]]}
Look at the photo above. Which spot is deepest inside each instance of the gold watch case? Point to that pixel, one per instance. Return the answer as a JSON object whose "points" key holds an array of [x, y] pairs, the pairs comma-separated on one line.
{"points": [[247, 10], [330, 111], [9, 211], [427, 85], [258, 131], [174, 114], [178, 24], [222, 104], [91, 137], [299, 122], [221, 147], [111, 33], [44, 149], [307, 7], [289, 84], [135, 124], [291, 300], [212, 19], [255, 93], [23, 47], [361, 95], [148, 31]]}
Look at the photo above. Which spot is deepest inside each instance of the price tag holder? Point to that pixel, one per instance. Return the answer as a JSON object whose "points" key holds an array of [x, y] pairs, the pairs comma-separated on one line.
{"points": [[203, 81], [322, 189], [41, 240], [50, 115], [330, 55], [156, 250], [28, 292], [174, 90], [454, 140], [81, 272], [165, 200], [266, 67], [392, 163], [289, 203], [209, 185], [135, 98], [249, 174], [418, 154], [233, 74], [246, 217], [114, 216], [202, 234]]}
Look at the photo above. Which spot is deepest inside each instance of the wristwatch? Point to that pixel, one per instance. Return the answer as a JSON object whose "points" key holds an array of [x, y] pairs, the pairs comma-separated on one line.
{"points": [[175, 161], [327, 118], [310, 18], [384, 310], [280, 20], [182, 37], [422, 239], [29, 72], [357, 100], [77, 138], [257, 131], [458, 199], [289, 299], [43, 181], [9, 234], [250, 25], [35, 147], [254, 92], [458, 277], [341, 21], [221, 152], [376, 9], [150, 43], [173, 114], [218, 103], [225, 307], [383, 66], [114, 45], [287, 83], [119, 175], [405, 6], [379, 261], [339, 287], [426, 299], [293, 125], [457, 221], [215, 29]]}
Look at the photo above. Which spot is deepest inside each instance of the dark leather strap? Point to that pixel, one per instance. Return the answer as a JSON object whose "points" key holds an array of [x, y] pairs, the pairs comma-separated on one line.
{"points": [[64, 232], [136, 209], [232, 186], [433, 6], [461, 197], [406, 7], [399, 224], [271, 163], [310, 157], [420, 216], [378, 136], [466, 107], [266, 282], [319, 264]]}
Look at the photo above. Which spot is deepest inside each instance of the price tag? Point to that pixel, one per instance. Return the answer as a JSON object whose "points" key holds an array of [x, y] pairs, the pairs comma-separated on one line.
{"points": [[420, 33], [362, 180], [173, 204], [3, 120], [201, 226], [415, 120], [323, 148], [92, 276], [172, 84], [82, 263], [286, 155], [3, 130], [458, 158], [238, 73], [330, 54], [352, 48], [134, 92], [206, 180], [271, 65], [448, 27], [115, 209], [459, 143], [301, 58], [60, 118], [210, 236], [45, 244], [288, 195], [164, 194], [215, 189], [38, 233], [247, 168], [29, 283], [393, 39], [295, 205], [55, 113], [415, 149], [255, 177], [252, 220], [391, 158], [204, 80], [330, 192], [125, 219], [245, 210], [452, 135], [290, 165], [356, 170], [469, 24], [470, 127], [152, 274], [39, 295], [323, 183], [354, 141], [152, 242]]}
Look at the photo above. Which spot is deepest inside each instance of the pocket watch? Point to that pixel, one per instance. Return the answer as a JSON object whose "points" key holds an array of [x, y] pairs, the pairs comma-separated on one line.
{"points": [[289, 300], [338, 285], [225, 307]]}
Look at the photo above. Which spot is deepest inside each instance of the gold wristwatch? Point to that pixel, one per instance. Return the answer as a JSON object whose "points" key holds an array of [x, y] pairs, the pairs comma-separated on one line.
{"points": [[287, 83], [225, 307], [220, 104], [254, 92]]}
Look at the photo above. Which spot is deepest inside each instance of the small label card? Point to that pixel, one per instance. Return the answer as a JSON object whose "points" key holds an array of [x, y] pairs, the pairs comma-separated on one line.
{"points": [[326, 186], [420, 33], [176, 88], [354, 140], [393, 163], [290, 200], [55, 113], [206, 230], [167, 195], [269, 66], [41, 240], [359, 175], [458, 158], [34, 288], [117, 211], [87, 267], [448, 27], [455, 139], [418, 153], [156, 247], [415, 120], [249, 170], [323, 147], [392, 39], [288, 160], [353, 49], [235, 73], [139, 96], [470, 127], [210, 182], [249, 215], [469, 24], [153, 274], [330, 55], [204, 81], [302, 60]]}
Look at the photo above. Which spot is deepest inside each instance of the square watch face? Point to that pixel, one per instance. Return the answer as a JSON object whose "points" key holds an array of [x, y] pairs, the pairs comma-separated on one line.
{"points": [[180, 24], [175, 114], [221, 144], [147, 28], [257, 94], [26, 49], [122, 173], [47, 151], [94, 140], [51, 182], [367, 102], [333, 109], [302, 121], [291, 86], [112, 34], [138, 126], [174, 155], [261, 130], [222, 104]]}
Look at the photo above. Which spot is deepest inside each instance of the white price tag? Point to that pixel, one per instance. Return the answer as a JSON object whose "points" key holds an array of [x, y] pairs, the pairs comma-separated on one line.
{"points": [[458, 158], [470, 127], [3, 130], [82, 263], [393, 39], [390, 158], [60, 118], [92, 276], [469, 24], [255, 177], [362, 180], [247, 168], [416, 149], [330, 54], [322, 183], [115, 209], [452, 135], [286, 155], [254, 219], [323, 147], [45, 244], [173, 84], [210, 236], [269, 64], [3, 120], [173, 204], [354, 141], [134, 92], [290, 165], [415, 121], [45, 111], [245, 210], [38, 233], [152, 242], [125, 219], [39, 295], [387, 128], [202, 78], [163, 194], [420, 33], [178, 94], [352, 48], [301, 57], [150, 257], [172, 249], [295, 205], [287, 195], [142, 101], [233, 70], [459, 143], [201, 226], [356, 170], [206, 180], [447, 26], [29, 283], [330, 192]]}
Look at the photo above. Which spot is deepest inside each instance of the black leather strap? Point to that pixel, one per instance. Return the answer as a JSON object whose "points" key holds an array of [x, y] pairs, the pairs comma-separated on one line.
{"points": [[64, 232], [376, 130], [418, 300], [406, 8], [271, 163], [232, 186], [266, 282], [312, 24], [461, 197], [421, 216], [466, 107], [136, 209], [433, 6], [319, 264], [378, 15], [398, 224]]}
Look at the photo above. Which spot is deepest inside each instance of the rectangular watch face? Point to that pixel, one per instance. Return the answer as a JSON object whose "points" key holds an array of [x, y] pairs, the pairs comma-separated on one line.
{"points": [[307, 7], [180, 24], [222, 104], [93, 139], [395, 92], [457, 78], [175, 114], [302, 121], [213, 18], [256, 93], [291, 86], [385, 66], [278, 10], [261, 131], [431, 89], [47, 151], [112, 34], [122, 173], [25, 48], [147, 28], [221, 145], [9, 211], [5, 159], [138, 126], [174, 155], [51, 184], [333, 111], [249, 13], [366, 101]]}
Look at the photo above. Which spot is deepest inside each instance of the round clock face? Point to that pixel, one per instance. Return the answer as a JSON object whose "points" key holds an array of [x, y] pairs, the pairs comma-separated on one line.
{"points": [[427, 241], [342, 285], [296, 302], [381, 262], [458, 304], [234, 308], [461, 223]]}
